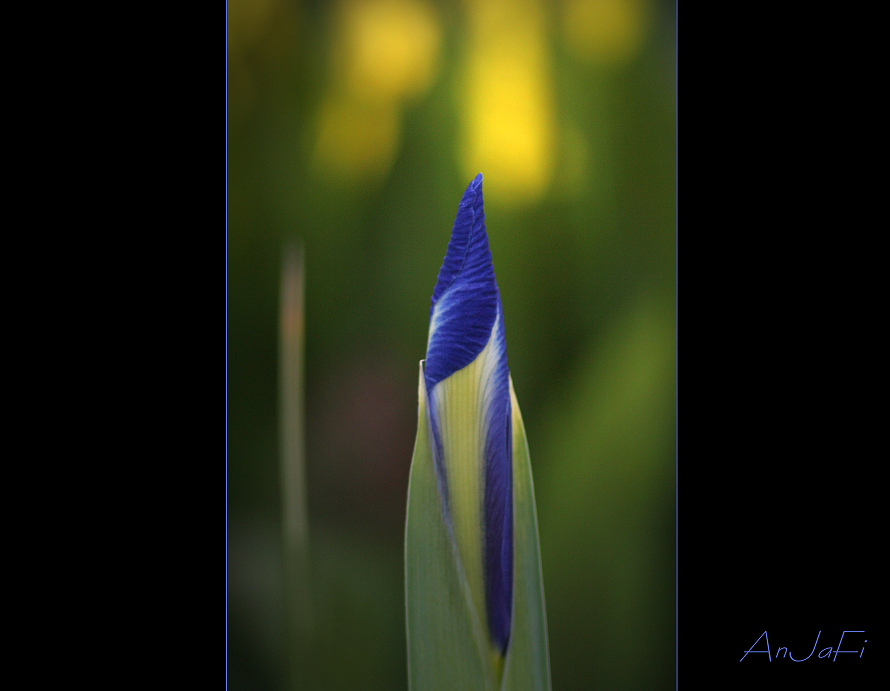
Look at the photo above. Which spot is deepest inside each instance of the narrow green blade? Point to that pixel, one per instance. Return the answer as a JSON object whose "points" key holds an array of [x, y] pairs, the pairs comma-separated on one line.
{"points": [[528, 659]]}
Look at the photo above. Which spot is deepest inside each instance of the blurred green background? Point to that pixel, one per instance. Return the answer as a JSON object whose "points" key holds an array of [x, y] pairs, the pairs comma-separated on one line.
{"points": [[353, 128]]}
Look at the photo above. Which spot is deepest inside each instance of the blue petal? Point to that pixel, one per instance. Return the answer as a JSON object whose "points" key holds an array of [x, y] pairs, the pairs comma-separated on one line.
{"points": [[499, 499], [465, 317], [465, 299]]}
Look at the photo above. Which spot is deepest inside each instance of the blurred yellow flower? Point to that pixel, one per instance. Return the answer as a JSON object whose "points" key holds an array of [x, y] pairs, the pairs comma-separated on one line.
{"points": [[384, 52], [387, 49], [507, 102]]}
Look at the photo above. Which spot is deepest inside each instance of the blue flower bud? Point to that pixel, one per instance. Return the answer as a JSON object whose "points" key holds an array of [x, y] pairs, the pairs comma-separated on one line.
{"points": [[468, 387]]}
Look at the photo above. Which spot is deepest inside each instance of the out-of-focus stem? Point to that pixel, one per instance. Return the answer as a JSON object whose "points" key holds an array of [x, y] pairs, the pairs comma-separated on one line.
{"points": [[298, 613]]}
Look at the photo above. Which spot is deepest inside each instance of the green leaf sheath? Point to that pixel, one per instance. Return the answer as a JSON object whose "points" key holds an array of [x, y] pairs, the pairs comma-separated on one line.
{"points": [[447, 649], [528, 658], [445, 640]]}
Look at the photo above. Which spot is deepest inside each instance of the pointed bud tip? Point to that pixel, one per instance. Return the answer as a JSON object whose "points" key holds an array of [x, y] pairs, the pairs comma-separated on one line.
{"points": [[473, 191], [465, 299]]}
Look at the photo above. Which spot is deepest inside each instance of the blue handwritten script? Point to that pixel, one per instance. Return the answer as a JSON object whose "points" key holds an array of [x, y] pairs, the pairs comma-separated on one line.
{"points": [[823, 654]]}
